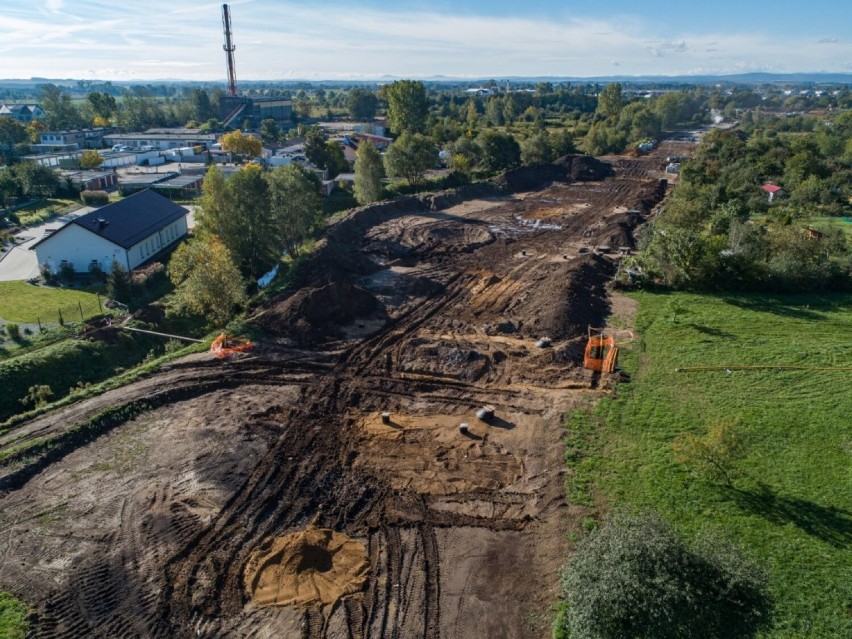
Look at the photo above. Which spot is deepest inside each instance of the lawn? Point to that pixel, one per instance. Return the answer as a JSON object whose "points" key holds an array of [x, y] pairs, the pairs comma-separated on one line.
{"points": [[13, 617], [45, 210], [843, 223], [22, 302], [790, 504]]}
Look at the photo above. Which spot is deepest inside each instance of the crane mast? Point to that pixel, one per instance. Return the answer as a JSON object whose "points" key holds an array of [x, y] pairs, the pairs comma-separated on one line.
{"points": [[229, 51]]}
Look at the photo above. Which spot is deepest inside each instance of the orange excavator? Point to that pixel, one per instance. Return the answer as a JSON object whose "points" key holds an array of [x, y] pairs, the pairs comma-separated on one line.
{"points": [[601, 351], [223, 346]]}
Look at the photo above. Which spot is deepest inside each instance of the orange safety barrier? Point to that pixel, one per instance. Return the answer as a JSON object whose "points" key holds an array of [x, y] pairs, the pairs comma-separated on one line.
{"points": [[223, 346], [601, 352]]}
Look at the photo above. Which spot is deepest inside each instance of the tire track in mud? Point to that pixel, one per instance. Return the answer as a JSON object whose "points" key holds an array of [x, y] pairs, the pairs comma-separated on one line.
{"points": [[192, 582]]}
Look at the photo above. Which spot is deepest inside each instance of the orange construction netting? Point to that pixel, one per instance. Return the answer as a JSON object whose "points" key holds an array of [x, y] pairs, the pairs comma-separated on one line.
{"points": [[223, 346]]}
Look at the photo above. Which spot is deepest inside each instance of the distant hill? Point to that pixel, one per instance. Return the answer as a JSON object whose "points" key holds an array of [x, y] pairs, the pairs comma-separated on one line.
{"points": [[742, 78]]}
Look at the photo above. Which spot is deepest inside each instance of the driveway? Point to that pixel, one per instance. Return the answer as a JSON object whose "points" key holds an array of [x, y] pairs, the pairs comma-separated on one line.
{"points": [[18, 262]]}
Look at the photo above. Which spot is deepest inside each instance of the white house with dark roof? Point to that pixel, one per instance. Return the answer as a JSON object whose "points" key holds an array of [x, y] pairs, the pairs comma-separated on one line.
{"points": [[130, 232]]}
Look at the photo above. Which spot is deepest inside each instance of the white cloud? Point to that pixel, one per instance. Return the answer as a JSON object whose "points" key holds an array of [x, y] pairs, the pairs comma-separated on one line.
{"points": [[161, 38]]}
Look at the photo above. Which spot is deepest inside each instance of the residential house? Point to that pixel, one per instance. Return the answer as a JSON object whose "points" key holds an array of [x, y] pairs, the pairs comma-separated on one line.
{"points": [[130, 232], [773, 191], [25, 113]]}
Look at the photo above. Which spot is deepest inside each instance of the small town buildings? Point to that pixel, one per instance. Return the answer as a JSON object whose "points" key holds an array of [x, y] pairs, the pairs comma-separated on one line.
{"points": [[25, 113], [160, 140], [773, 191], [91, 180], [92, 138], [237, 109], [130, 232]]}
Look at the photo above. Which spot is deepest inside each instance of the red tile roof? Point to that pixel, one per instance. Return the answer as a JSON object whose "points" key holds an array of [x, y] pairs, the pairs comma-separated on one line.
{"points": [[771, 188]]}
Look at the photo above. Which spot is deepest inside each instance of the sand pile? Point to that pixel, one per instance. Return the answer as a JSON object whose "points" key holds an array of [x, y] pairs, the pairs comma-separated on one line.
{"points": [[313, 567]]}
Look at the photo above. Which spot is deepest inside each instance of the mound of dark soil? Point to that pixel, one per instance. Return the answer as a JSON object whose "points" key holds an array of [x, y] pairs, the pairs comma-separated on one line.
{"points": [[569, 168], [575, 300], [313, 313], [651, 195], [584, 168], [529, 178]]}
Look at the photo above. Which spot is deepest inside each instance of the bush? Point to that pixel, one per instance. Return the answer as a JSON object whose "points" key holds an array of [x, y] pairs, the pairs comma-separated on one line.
{"points": [[94, 198], [66, 272], [118, 283], [634, 577], [14, 331]]}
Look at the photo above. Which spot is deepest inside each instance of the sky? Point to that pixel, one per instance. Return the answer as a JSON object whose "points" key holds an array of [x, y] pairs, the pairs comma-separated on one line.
{"points": [[320, 40]]}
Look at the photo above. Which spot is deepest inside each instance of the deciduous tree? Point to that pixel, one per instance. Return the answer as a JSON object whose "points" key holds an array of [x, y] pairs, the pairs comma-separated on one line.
{"points": [[410, 156], [240, 144], [91, 159], [369, 172], [207, 281], [236, 210], [499, 151], [361, 104], [635, 577], [407, 106], [295, 204]]}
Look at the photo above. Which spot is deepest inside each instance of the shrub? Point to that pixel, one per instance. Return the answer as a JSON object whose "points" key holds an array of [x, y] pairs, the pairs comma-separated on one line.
{"points": [[634, 577], [14, 331], [37, 395], [118, 283], [66, 272], [95, 198], [96, 272]]}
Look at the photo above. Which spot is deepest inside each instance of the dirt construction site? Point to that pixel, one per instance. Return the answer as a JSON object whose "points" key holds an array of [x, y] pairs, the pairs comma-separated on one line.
{"points": [[322, 485]]}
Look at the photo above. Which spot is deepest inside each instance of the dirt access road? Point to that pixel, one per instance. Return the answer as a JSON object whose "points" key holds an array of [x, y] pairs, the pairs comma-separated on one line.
{"points": [[268, 497]]}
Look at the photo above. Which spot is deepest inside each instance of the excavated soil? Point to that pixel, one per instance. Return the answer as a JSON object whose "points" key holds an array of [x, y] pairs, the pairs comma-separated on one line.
{"points": [[313, 567], [266, 496]]}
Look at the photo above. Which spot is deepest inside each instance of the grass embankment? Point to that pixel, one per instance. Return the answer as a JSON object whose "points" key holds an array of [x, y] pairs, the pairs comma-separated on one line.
{"points": [[22, 302], [64, 365], [791, 499], [13, 617]]}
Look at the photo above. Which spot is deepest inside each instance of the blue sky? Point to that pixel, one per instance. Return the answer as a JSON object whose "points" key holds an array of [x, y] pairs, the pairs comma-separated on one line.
{"points": [[283, 39]]}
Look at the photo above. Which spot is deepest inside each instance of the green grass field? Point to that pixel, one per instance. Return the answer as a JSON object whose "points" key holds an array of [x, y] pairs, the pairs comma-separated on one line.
{"points": [[13, 617], [45, 210], [22, 302], [791, 501]]}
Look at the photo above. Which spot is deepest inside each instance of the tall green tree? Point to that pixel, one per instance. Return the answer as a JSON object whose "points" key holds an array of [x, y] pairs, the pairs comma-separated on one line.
{"points": [[12, 132], [269, 130], [499, 151], [408, 106], [102, 104], [335, 159], [410, 156], [610, 101], [36, 180], [361, 104], [207, 281], [536, 150], [237, 210], [295, 204], [369, 172], [59, 110], [316, 149]]}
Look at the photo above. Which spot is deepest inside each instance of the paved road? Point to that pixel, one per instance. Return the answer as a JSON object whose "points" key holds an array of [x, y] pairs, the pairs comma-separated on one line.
{"points": [[18, 262]]}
